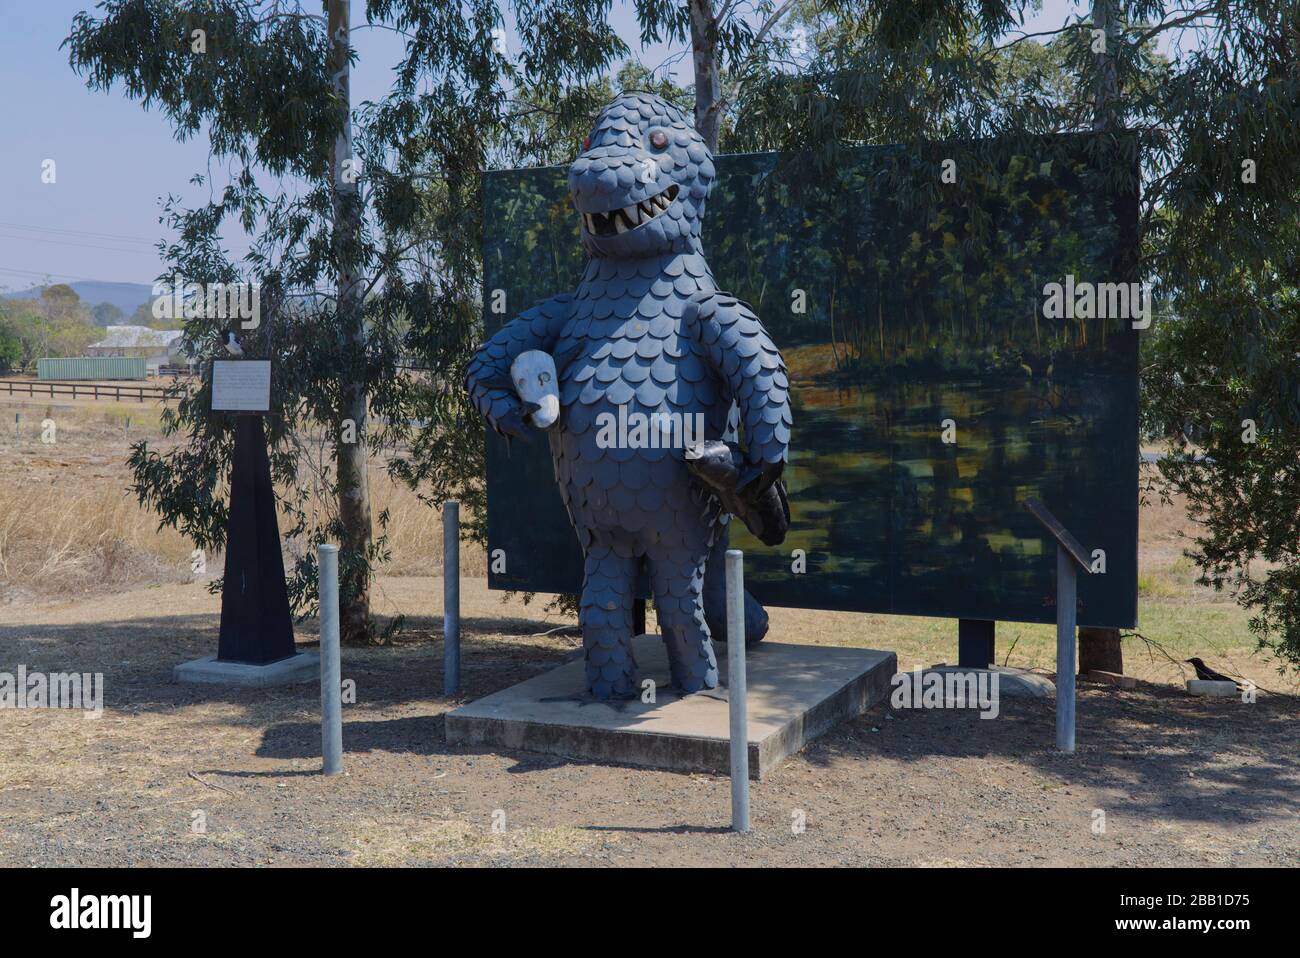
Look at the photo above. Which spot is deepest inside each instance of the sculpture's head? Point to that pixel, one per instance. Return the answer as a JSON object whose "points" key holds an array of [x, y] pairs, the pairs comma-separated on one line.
{"points": [[640, 183]]}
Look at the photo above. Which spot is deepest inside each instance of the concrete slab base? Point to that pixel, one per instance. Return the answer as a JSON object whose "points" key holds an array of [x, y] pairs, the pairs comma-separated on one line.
{"points": [[300, 667], [796, 693], [1013, 683]]}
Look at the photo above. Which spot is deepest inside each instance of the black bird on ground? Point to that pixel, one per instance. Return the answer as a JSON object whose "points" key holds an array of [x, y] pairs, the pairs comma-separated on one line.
{"points": [[1203, 671]]}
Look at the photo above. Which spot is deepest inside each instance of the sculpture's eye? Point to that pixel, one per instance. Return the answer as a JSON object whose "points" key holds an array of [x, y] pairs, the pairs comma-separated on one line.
{"points": [[658, 139], [544, 378], [522, 382]]}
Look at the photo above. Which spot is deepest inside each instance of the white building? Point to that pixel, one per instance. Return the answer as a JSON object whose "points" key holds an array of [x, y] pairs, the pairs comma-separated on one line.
{"points": [[157, 347]]}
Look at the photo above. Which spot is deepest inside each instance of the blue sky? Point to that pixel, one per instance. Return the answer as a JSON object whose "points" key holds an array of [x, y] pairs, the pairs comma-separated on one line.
{"points": [[115, 161]]}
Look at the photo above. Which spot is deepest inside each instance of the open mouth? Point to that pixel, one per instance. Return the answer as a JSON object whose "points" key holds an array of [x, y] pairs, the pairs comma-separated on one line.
{"points": [[619, 221]]}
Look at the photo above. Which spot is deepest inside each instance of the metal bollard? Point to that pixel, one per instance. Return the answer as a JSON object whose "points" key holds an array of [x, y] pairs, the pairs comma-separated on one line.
{"points": [[451, 597], [736, 701], [331, 703], [1065, 667]]}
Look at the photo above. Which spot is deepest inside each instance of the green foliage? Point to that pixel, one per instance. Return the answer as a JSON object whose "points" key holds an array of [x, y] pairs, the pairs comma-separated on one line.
{"points": [[11, 346], [263, 94], [56, 324], [1218, 250], [106, 314], [836, 74]]}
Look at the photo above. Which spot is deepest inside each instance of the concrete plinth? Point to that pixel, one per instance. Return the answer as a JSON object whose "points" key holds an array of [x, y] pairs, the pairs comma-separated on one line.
{"points": [[796, 692], [300, 667]]}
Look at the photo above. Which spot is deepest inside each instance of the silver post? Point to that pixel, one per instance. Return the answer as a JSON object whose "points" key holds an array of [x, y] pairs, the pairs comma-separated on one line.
{"points": [[451, 597], [1065, 614], [736, 690], [331, 681]]}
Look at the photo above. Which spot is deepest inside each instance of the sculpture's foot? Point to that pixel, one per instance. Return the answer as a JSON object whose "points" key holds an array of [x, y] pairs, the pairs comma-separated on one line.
{"points": [[605, 613], [715, 598], [691, 661], [715, 613], [611, 666]]}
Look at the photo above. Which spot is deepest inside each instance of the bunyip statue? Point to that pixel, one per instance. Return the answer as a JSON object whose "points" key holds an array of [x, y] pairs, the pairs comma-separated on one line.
{"points": [[640, 378]]}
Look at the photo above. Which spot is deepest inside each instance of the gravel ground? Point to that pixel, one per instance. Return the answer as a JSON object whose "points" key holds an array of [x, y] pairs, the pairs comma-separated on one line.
{"points": [[193, 775]]}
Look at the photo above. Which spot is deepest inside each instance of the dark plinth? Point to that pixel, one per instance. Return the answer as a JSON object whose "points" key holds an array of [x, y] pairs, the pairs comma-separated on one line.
{"points": [[256, 625]]}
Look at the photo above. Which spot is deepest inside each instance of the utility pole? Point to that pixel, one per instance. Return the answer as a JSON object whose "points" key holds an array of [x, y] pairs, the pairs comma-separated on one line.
{"points": [[352, 457]]}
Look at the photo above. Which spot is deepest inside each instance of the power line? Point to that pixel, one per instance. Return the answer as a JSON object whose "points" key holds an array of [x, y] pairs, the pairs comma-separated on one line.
{"points": [[55, 242], [42, 274], [87, 234]]}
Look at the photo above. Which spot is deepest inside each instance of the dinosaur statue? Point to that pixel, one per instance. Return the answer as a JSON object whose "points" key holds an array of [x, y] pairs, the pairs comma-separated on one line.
{"points": [[647, 332]]}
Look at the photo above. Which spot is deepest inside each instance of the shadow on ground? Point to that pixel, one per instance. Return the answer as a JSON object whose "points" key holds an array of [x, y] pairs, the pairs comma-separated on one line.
{"points": [[1162, 754]]}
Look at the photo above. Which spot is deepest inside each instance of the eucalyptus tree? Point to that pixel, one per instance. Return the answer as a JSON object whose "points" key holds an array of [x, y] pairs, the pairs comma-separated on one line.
{"points": [[364, 232], [1197, 110]]}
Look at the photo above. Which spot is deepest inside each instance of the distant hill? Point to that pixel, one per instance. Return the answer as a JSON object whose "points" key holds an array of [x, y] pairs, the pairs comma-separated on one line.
{"points": [[125, 296]]}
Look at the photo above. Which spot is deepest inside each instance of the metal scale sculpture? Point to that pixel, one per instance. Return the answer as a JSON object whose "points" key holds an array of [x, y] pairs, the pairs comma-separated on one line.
{"points": [[646, 332]]}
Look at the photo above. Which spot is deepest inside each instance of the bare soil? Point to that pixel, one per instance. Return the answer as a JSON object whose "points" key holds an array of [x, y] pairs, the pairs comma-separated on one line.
{"points": [[194, 775]]}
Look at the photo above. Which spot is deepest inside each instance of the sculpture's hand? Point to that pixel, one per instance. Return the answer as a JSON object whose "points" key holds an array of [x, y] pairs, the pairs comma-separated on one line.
{"points": [[758, 477], [515, 422]]}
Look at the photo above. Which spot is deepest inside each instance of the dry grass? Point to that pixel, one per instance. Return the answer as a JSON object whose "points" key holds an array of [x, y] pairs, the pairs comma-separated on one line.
{"points": [[398, 841], [69, 524], [72, 541]]}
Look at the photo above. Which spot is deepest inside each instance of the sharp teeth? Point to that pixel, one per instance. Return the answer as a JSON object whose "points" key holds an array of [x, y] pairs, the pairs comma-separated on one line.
{"points": [[628, 217]]}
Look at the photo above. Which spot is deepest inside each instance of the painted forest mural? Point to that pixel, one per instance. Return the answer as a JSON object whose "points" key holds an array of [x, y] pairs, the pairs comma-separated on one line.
{"points": [[910, 308]]}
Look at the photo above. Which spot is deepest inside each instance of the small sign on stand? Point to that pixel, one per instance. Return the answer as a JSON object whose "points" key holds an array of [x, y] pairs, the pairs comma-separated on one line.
{"points": [[256, 625], [241, 385], [256, 644]]}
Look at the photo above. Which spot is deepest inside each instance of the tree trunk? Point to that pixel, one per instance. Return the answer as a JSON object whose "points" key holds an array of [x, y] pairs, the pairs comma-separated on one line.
{"points": [[1100, 649], [708, 85], [352, 459], [1103, 19]]}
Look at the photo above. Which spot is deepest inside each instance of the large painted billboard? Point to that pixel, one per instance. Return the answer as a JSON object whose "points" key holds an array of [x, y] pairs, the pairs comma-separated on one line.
{"points": [[954, 348]]}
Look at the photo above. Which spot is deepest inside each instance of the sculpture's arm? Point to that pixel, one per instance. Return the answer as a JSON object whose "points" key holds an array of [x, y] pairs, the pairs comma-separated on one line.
{"points": [[487, 377], [740, 349]]}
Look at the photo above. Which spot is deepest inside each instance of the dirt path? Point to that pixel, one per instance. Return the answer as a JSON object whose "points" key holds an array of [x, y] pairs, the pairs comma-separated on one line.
{"points": [[1180, 781]]}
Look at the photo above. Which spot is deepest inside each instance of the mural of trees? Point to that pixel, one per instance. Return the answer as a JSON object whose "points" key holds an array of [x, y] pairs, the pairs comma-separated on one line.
{"points": [[901, 302]]}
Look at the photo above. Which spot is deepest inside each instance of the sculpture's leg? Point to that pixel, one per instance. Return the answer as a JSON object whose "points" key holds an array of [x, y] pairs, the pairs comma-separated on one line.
{"points": [[677, 580], [605, 614], [715, 597]]}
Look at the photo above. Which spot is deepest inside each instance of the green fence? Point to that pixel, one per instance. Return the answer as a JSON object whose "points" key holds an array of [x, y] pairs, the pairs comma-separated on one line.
{"points": [[90, 367]]}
